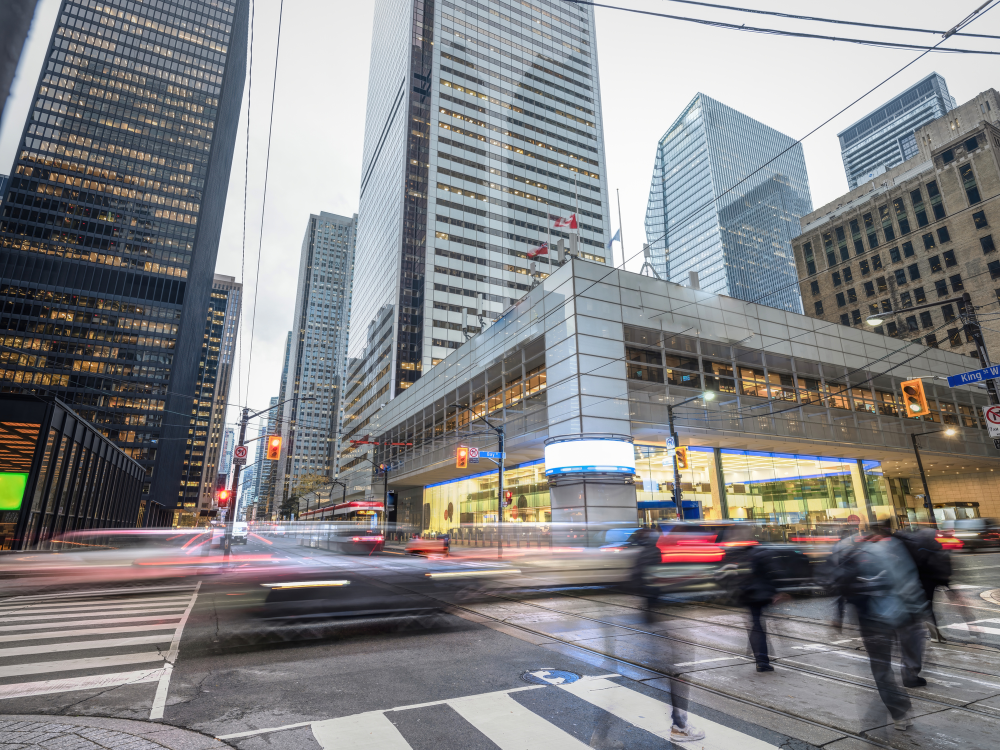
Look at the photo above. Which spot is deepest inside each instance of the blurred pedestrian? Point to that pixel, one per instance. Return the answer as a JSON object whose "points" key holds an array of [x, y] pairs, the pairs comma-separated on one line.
{"points": [[933, 566], [648, 559], [878, 576], [759, 590]]}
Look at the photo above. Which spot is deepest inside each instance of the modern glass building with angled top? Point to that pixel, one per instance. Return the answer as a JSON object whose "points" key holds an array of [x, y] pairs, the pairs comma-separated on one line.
{"points": [[725, 201]]}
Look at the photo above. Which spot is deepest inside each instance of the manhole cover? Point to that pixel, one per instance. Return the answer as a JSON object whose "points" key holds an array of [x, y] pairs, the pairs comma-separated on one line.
{"points": [[550, 677]]}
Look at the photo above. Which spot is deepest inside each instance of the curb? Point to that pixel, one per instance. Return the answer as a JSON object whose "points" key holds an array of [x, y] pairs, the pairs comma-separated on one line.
{"points": [[45, 732]]}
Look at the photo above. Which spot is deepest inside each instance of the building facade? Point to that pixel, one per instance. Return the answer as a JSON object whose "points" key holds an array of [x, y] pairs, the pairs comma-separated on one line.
{"points": [[924, 233], [110, 226], [268, 469], [807, 426], [205, 430], [886, 137], [479, 127], [725, 200], [316, 351], [226, 457]]}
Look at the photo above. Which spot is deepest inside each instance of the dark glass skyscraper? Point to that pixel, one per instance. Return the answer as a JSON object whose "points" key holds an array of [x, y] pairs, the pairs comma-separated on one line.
{"points": [[110, 226]]}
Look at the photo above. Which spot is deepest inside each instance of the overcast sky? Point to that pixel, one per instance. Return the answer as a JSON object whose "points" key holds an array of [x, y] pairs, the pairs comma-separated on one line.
{"points": [[650, 69]]}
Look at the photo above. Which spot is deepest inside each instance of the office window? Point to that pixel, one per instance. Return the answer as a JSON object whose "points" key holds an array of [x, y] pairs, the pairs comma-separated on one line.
{"points": [[891, 328], [859, 246], [814, 286], [880, 284], [905, 300], [841, 241], [831, 258], [856, 317], [841, 302], [929, 241], [807, 255], [918, 207], [949, 258], [911, 323], [845, 320], [900, 275], [901, 218], [870, 230], [942, 287], [894, 256], [873, 308], [987, 244], [919, 296], [870, 287], [931, 340], [818, 307], [934, 195], [948, 312], [925, 319], [865, 270], [956, 282], [935, 263], [852, 295], [876, 262], [848, 275], [943, 235], [836, 278], [948, 156], [972, 144], [908, 250], [979, 218], [914, 270], [994, 269], [954, 337], [886, 219]]}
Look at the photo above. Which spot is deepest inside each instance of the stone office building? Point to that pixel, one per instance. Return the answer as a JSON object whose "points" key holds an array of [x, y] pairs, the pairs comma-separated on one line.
{"points": [[923, 231]]}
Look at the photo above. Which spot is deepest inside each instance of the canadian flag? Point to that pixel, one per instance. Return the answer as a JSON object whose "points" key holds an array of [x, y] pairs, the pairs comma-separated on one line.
{"points": [[543, 250], [569, 221]]}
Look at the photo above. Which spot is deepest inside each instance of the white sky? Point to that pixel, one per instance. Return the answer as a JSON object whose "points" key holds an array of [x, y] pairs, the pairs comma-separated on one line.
{"points": [[650, 69]]}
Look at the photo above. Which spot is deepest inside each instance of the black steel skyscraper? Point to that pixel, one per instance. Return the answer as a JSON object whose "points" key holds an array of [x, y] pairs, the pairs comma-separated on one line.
{"points": [[110, 226]]}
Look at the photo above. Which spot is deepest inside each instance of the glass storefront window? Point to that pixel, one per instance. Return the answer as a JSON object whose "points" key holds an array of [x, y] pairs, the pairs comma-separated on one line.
{"points": [[473, 500]]}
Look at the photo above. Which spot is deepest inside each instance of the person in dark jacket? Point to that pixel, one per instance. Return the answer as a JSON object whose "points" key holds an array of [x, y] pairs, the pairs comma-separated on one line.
{"points": [[933, 566], [759, 590]]}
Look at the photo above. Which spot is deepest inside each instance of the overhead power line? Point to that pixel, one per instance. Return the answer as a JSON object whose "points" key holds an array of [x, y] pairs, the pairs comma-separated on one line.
{"points": [[797, 34]]}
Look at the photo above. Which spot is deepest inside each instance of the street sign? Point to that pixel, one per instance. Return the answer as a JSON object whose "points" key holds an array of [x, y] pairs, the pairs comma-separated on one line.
{"points": [[494, 455], [240, 451], [670, 443], [240, 461], [473, 455], [976, 376], [992, 416]]}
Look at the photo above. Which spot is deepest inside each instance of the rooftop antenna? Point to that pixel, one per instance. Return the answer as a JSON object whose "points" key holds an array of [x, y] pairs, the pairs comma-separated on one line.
{"points": [[647, 255]]}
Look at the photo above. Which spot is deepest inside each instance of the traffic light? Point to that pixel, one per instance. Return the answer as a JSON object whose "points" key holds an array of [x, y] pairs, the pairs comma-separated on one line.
{"points": [[914, 398], [274, 448], [508, 498], [224, 498], [462, 458], [682, 458]]}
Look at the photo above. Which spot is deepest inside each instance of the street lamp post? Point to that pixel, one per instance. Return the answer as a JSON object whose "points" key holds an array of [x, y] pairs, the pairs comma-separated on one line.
{"points": [[923, 478], [678, 495], [499, 430]]}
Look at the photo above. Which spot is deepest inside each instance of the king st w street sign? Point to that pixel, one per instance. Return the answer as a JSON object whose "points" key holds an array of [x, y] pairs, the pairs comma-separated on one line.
{"points": [[976, 376]]}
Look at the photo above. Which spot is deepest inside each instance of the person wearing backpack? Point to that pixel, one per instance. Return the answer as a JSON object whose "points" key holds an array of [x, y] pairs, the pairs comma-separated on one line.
{"points": [[758, 590], [933, 566]]}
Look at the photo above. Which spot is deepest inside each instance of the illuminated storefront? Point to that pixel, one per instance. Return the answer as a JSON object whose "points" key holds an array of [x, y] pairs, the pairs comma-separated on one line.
{"points": [[472, 501]]}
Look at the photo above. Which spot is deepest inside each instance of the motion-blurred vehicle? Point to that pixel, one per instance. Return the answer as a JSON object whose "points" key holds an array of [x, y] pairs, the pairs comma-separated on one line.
{"points": [[432, 544], [973, 534], [355, 540], [619, 540]]}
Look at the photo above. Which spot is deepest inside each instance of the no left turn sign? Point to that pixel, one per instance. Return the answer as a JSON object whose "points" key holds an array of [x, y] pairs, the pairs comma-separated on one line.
{"points": [[240, 451], [992, 416]]}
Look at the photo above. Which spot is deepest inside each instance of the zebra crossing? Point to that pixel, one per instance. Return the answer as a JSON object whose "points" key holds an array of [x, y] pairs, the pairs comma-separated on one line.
{"points": [[92, 640], [511, 725]]}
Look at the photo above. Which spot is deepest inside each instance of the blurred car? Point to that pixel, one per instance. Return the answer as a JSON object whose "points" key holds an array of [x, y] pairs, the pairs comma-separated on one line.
{"points": [[973, 534], [353, 540], [240, 532], [433, 544], [619, 540]]}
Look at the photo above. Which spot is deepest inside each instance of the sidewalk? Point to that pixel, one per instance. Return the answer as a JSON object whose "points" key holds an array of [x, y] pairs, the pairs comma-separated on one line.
{"points": [[27, 732]]}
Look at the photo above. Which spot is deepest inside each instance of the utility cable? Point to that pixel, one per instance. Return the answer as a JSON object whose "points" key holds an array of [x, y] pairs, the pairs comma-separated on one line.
{"points": [[246, 182]]}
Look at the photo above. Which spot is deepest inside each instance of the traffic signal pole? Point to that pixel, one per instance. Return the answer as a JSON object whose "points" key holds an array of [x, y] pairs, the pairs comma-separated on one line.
{"points": [[974, 332]]}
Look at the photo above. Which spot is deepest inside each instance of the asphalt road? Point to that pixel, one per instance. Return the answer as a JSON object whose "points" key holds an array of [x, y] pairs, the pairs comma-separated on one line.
{"points": [[568, 668]]}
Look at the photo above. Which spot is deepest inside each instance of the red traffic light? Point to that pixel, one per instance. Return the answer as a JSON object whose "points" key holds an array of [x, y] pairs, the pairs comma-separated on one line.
{"points": [[462, 457], [508, 497], [274, 448], [224, 498]]}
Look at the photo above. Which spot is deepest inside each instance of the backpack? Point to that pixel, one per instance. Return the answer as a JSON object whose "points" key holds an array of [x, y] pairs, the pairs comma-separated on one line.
{"points": [[932, 560]]}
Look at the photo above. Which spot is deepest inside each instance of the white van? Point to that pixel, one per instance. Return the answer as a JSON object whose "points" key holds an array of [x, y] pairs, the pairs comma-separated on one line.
{"points": [[240, 532]]}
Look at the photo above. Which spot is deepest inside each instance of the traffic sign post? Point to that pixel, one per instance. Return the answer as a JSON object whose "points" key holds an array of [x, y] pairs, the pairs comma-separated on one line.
{"points": [[992, 416], [473, 455]]}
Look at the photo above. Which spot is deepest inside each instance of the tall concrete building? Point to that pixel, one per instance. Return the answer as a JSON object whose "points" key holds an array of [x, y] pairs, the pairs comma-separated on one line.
{"points": [[110, 227], [925, 233], [208, 420], [479, 128], [711, 212], [268, 469], [316, 351], [885, 138]]}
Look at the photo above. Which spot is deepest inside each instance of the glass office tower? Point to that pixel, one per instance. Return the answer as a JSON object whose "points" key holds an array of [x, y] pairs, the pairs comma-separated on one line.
{"points": [[110, 225], [885, 138], [480, 125], [721, 205]]}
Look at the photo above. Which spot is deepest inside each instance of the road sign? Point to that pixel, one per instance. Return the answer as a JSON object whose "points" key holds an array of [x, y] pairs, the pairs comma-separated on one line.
{"points": [[494, 455], [992, 416], [473, 455], [240, 460], [976, 376], [670, 443], [240, 451]]}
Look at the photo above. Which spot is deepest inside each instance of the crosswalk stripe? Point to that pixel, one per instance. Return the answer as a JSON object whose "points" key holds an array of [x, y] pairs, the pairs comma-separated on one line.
{"points": [[92, 607], [54, 648], [75, 623], [91, 603], [90, 682], [101, 613], [72, 665], [511, 726], [367, 731], [654, 716], [84, 631]]}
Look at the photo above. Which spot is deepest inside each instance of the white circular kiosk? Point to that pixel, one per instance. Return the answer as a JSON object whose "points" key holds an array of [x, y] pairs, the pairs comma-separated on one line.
{"points": [[591, 478]]}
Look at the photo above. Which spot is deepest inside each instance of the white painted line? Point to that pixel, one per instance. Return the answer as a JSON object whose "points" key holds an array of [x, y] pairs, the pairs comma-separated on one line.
{"points": [[100, 613], [91, 603], [954, 586], [90, 682], [84, 631], [654, 715], [367, 731], [511, 726], [92, 607], [160, 699], [980, 567], [973, 628], [56, 648], [98, 592], [706, 661], [71, 665], [76, 623]]}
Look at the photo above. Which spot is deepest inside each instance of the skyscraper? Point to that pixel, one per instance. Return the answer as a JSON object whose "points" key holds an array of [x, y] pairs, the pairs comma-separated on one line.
{"points": [[711, 212], [215, 372], [226, 456], [110, 227], [479, 127], [884, 138], [316, 351], [265, 493]]}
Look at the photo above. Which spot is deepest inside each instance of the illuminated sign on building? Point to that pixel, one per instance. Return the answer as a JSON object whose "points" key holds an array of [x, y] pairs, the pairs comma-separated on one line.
{"points": [[582, 456]]}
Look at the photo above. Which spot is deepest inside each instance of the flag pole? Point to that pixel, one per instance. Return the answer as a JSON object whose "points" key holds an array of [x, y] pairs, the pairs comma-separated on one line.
{"points": [[621, 237], [548, 236]]}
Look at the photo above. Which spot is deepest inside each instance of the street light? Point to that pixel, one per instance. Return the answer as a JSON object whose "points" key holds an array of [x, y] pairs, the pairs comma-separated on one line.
{"points": [[916, 451], [501, 436], [706, 396]]}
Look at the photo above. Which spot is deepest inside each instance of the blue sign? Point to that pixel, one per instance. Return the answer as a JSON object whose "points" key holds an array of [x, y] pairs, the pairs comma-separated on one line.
{"points": [[976, 376], [550, 677], [494, 455]]}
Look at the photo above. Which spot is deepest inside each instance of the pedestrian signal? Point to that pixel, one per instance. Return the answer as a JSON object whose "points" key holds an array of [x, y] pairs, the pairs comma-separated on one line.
{"points": [[914, 398], [682, 458], [274, 448], [508, 498], [224, 498], [462, 458]]}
